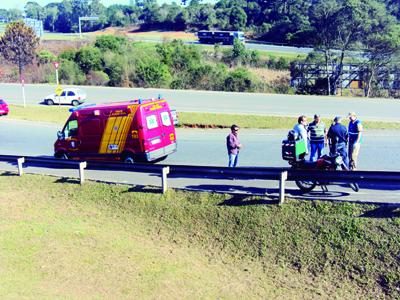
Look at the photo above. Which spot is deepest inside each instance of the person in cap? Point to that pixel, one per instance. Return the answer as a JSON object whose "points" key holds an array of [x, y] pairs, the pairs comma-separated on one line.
{"points": [[355, 139], [233, 146], [338, 137], [317, 131]]}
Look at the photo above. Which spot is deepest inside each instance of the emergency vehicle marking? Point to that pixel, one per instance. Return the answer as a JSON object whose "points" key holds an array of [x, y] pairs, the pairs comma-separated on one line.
{"points": [[116, 132]]}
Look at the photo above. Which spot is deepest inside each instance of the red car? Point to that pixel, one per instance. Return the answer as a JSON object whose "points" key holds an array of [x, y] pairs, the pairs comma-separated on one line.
{"points": [[3, 107]]}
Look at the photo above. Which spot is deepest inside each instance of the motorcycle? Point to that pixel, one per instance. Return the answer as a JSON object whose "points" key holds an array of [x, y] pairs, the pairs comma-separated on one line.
{"points": [[324, 163], [294, 151]]}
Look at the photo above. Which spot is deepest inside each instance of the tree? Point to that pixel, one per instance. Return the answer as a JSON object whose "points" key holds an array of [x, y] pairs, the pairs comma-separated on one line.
{"points": [[324, 34], [34, 10], [381, 43], [344, 25], [51, 14], [237, 18], [18, 45]]}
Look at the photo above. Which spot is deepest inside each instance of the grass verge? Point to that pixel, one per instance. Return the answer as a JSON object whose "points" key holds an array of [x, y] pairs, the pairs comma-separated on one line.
{"points": [[59, 114], [60, 239]]}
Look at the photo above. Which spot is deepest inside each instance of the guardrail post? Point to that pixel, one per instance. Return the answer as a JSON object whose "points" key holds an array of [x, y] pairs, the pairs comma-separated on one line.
{"points": [[82, 166], [164, 173], [282, 181], [20, 161]]}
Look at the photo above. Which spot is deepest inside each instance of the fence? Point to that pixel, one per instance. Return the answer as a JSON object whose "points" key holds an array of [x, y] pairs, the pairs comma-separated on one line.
{"points": [[262, 173]]}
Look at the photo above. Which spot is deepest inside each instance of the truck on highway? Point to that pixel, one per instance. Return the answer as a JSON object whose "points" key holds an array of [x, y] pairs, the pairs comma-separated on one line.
{"points": [[130, 131], [223, 37]]}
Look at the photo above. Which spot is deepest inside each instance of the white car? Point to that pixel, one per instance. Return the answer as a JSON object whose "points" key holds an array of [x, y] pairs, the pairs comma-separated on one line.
{"points": [[71, 96]]}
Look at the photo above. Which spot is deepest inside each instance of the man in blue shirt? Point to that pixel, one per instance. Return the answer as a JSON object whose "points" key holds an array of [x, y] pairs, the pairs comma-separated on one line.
{"points": [[338, 137], [355, 139]]}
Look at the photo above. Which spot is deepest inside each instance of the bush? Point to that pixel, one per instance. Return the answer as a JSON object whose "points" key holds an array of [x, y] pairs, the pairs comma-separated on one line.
{"points": [[89, 59], [70, 73], [111, 43], [239, 81], [114, 67], [178, 56], [97, 78], [280, 64], [151, 73], [69, 54], [45, 57]]}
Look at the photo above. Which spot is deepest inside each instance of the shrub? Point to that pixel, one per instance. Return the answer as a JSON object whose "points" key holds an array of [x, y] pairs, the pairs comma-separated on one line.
{"points": [[45, 57], [89, 58], [97, 78], [151, 73], [239, 80], [178, 56], [111, 43], [114, 67], [70, 73], [69, 54]]}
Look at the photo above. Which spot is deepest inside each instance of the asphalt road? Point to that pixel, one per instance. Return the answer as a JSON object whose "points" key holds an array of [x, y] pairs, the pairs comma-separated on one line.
{"points": [[223, 102], [207, 147]]}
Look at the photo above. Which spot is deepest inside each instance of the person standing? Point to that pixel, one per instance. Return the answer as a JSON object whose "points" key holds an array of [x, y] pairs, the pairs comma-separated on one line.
{"points": [[233, 146], [301, 129], [317, 130], [338, 137], [355, 139]]}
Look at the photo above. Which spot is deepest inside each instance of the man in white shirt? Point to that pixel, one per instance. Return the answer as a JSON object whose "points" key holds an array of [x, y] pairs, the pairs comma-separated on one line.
{"points": [[301, 129]]}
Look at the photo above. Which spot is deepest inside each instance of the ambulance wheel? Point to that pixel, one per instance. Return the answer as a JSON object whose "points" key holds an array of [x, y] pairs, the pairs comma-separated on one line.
{"points": [[49, 102], [75, 102], [129, 159]]}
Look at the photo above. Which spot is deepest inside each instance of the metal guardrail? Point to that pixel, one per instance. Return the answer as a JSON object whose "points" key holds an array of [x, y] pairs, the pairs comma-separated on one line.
{"points": [[264, 173]]}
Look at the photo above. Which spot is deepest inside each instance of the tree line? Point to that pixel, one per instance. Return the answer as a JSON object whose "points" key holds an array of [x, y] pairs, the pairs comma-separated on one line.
{"points": [[293, 21], [334, 28]]}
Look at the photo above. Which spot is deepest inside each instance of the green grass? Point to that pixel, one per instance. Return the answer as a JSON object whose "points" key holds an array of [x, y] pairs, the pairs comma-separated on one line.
{"points": [[59, 114], [62, 240], [262, 122]]}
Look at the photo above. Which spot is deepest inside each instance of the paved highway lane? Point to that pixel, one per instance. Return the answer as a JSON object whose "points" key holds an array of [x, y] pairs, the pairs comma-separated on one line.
{"points": [[223, 102], [207, 147]]}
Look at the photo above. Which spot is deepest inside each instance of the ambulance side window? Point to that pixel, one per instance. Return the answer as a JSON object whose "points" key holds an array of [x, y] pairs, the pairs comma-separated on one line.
{"points": [[151, 122], [166, 120], [71, 129]]}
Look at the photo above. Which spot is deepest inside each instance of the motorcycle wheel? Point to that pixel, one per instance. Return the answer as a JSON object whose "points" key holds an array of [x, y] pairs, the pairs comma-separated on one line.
{"points": [[305, 186]]}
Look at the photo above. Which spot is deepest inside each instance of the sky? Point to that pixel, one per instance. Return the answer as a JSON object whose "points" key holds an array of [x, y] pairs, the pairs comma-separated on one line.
{"points": [[7, 4]]}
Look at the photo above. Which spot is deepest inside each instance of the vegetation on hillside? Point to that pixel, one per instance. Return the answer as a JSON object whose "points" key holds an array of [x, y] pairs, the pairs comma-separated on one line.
{"points": [[58, 236], [332, 28], [115, 61]]}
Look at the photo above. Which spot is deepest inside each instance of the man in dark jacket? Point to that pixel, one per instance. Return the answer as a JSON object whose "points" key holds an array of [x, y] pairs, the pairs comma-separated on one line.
{"points": [[233, 145], [338, 137]]}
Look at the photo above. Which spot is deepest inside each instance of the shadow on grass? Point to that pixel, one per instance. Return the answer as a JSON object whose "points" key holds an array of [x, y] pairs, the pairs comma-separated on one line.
{"points": [[8, 173], [244, 200], [144, 189], [383, 212], [67, 180]]}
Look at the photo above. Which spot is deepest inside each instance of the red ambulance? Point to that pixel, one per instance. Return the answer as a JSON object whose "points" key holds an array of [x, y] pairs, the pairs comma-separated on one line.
{"points": [[138, 130]]}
